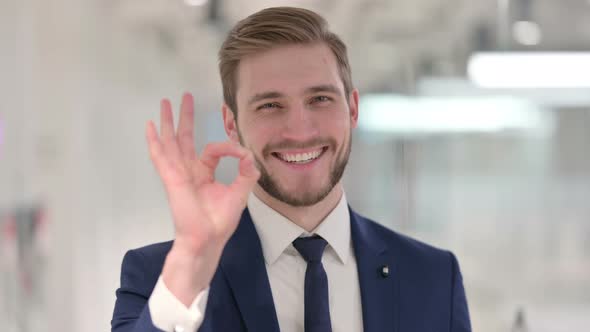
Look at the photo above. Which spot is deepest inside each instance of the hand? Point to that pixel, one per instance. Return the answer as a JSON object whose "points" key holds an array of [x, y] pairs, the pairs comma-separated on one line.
{"points": [[205, 212]]}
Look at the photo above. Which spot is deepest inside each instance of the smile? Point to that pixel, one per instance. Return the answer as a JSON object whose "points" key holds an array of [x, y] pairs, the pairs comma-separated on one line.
{"points": [[300, 158]]}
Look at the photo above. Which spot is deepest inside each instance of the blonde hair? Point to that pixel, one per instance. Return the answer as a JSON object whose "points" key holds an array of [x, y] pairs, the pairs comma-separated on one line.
{"points": [[274, 27]]}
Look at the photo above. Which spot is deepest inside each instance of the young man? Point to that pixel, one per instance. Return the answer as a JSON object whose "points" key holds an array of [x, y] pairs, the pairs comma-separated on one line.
{"points": [[279, 248]]}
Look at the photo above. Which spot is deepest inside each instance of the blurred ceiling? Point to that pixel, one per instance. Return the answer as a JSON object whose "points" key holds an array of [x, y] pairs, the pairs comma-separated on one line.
{"points": [[403, 39]]}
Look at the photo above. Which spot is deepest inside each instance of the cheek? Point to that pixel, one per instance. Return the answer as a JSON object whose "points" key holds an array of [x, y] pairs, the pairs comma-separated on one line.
{"points": [[257, 134], [335, 125]]}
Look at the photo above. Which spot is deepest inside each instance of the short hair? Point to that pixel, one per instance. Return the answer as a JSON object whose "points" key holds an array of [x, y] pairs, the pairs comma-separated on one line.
{"points": [[272, 27]]}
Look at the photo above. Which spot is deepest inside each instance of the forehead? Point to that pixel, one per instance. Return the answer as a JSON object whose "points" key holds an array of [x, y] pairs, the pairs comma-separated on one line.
{"points": [[287, 69]]}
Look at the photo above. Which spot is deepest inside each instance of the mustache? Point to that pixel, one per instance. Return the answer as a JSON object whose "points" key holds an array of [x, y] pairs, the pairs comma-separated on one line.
{"points": [[291, 144]]}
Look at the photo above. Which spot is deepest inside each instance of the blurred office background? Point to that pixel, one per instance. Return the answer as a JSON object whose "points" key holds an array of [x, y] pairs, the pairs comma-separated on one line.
{"points": [[473, 136]]}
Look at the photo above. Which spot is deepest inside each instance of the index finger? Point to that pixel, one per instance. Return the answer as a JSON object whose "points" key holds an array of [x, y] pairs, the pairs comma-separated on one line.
{"points": [[213, 152]]}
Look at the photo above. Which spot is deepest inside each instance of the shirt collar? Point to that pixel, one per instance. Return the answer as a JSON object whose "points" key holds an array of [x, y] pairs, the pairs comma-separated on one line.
{"points": [[277, 233]]}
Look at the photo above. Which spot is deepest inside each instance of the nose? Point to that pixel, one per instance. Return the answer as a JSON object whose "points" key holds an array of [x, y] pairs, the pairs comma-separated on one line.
{"points": [[300, 124]]}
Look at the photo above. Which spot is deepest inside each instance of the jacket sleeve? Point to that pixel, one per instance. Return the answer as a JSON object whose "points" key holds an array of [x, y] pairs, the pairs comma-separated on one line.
{"points": [[131, 313], [460, 321]]}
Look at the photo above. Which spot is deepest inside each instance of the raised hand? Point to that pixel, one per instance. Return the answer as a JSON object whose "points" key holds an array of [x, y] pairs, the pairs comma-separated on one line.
{"points": [[205, 212]]}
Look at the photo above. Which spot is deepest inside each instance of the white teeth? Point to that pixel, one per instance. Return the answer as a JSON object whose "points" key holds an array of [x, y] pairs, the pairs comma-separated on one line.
{"points": [[300, 157]]}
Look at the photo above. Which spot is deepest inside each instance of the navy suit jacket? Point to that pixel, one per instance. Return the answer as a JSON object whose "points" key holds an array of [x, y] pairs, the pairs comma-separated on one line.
{"points": [[423, 291]]}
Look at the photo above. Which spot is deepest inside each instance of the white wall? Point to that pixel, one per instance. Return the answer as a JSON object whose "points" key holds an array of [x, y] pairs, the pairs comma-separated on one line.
{"points": [[79, 80]]}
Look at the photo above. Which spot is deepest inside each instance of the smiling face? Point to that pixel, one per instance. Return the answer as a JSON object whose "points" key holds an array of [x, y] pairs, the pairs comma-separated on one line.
{"points": [[294, 116]]}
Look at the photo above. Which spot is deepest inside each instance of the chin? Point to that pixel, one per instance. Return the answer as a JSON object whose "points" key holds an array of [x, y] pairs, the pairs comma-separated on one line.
{"points": [[303, 196]]}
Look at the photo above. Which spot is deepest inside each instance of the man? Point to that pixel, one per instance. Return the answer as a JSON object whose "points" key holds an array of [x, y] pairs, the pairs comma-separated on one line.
{"points": [[279, 248]]}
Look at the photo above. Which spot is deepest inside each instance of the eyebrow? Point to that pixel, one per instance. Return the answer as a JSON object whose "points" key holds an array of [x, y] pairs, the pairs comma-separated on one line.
{"points": [[322, 88], [264, 95], [275, 94]]}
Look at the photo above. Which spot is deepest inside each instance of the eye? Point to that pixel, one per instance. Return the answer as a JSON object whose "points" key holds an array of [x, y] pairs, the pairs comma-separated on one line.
{"points": [[268, 106], [320, 99]]}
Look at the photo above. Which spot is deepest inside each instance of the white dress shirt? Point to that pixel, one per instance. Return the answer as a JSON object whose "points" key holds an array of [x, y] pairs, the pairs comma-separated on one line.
{"points": [[286, 273]]}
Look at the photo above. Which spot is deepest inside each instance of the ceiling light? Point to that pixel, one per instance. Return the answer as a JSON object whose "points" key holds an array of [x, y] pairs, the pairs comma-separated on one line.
{"points": [[195, 3], [422, 115], [530, 70]]}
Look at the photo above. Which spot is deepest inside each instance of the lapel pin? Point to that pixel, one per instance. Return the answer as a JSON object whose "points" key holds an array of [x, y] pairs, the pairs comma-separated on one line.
{"points": [[385, 271]]}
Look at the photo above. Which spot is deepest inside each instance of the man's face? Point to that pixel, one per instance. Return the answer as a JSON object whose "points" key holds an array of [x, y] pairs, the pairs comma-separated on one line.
{"points": [[294, 116]]}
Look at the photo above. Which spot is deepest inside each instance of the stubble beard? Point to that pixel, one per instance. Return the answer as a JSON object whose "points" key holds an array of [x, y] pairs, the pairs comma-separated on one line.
{"points": [[271, 185]]}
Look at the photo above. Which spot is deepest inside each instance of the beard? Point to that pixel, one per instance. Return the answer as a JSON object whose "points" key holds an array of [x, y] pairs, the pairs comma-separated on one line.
{"points": [[300, 199]]}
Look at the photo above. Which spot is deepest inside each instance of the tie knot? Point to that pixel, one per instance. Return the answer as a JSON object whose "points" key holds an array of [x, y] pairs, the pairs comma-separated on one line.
{"points": [[311, 248]]}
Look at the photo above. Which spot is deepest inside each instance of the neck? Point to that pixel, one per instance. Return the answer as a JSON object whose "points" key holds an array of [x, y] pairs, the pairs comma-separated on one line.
{"points": [[306, 217]]}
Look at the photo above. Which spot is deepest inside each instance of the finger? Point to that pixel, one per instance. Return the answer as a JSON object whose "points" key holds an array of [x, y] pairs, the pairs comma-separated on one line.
{"points": [[213, 152], [167, 136], [248, 174], [167, 168], [186, 125], [154, 145], [166, 121]]}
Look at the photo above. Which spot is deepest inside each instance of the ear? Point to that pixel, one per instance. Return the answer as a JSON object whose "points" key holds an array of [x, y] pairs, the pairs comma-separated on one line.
{"points": [[353, 103], [229, 123]]}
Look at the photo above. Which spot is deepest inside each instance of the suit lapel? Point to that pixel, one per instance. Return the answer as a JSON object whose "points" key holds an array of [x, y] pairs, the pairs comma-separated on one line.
{"points": [[243, 265], [379, 293]]}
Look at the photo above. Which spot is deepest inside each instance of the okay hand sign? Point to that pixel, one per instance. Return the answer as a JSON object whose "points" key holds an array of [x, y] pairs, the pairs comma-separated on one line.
{"points": [[205, 212]]}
